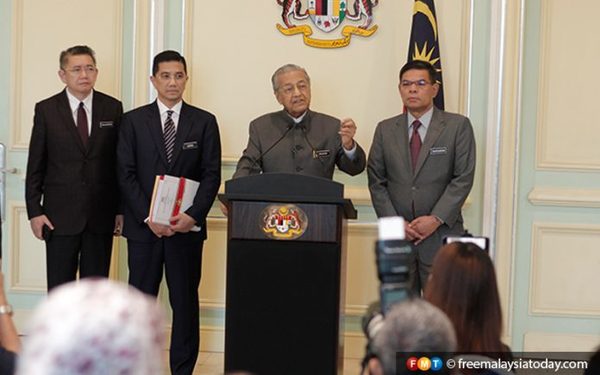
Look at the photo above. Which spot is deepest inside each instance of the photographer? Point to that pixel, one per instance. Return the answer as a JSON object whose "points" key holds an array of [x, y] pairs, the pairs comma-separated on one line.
{"points": [[400, 324], [412, 326]]}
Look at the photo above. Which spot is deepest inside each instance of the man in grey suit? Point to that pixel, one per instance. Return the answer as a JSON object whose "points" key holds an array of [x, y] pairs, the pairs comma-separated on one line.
{"points": [[296, 139], [421, 167]]}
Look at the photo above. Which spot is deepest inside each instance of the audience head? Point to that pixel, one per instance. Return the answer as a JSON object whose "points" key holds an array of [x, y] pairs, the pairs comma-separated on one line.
{"points": [[93, 327], [463, 285], [412, 326]]}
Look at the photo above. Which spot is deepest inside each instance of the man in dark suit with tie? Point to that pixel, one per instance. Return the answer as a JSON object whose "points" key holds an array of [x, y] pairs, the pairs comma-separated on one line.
{"points": [[71, 186], [421, 167], [169, 137]]}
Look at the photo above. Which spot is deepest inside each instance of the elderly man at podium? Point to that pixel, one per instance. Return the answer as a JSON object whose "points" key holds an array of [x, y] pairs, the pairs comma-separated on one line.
{"points": [[297, 139]]}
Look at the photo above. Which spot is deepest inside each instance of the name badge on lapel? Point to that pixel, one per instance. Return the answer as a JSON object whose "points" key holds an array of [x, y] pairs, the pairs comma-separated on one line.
{"points": [[106, 124], [190, 145], [438, 151], [321, 153]]}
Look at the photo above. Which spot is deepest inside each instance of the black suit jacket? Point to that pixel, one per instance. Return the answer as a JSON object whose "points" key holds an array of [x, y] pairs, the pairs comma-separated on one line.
{"points": [[71, 184], [141, 157]]}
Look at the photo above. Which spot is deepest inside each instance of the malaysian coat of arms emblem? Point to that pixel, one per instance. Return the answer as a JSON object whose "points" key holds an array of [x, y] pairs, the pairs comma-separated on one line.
{"points": [[327, 16], [283, 222]]}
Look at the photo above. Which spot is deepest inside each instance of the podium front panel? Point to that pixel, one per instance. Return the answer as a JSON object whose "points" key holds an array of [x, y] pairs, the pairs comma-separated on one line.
{"points": [[283, 221], [283, 313]]}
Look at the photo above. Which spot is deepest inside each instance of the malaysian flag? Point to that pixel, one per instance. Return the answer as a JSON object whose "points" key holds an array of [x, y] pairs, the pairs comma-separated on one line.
{"points": [[424, 41]]}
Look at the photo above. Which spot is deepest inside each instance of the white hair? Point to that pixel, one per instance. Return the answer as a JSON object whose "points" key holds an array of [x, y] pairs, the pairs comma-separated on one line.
{"points": [[94, 327], [413, 326], [284, 69]]}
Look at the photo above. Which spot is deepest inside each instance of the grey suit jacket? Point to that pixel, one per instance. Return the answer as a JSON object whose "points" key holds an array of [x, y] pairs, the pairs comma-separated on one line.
{"points": [[441, 181], [312, 147]]}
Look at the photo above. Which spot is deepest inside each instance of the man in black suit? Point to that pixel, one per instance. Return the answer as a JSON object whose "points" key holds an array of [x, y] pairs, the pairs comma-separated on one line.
{"points": [[71, 184], [142, 155]]}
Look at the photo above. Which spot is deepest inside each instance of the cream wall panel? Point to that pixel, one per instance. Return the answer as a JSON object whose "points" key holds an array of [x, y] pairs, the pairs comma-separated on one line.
{"points": [[28, 254], [214, 265], [558, 247], [548, 196], [212, 339], [559, 342], [41, 30], [359, 196], [142, 59], [361, 272], [568, 128], [231, 63]]}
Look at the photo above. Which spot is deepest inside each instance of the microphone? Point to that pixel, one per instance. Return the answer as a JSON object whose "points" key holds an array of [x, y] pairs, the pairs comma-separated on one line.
{"points": [[264, 153]]}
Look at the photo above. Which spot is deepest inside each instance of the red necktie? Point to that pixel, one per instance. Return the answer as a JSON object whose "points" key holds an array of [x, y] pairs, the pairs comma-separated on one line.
{"points": [[82, 124], [415, 143]]}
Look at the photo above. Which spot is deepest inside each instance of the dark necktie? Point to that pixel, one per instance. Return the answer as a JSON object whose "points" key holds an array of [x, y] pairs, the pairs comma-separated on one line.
{"points": [[415, 143], [169, 135], [82, 124]]}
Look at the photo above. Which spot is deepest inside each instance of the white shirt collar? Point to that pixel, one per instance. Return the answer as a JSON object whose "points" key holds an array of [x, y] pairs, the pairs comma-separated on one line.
{"points": [[74, 102], [162, 108], [425, 119], [298, 119]]}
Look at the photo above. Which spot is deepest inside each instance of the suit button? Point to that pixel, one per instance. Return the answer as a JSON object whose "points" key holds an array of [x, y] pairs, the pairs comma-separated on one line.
{"points": [[298, 169], [414, 188], [299, 147]]}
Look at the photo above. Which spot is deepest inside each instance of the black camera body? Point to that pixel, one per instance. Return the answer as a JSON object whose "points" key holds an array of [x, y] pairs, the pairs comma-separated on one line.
{"points": [[394, 256], [394, 259]]}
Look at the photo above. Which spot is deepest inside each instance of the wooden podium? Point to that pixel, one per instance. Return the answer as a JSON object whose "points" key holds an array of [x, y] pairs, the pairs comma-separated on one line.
{"points": [[285, 274]]}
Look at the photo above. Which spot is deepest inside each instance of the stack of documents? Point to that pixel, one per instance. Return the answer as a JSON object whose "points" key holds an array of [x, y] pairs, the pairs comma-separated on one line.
{"points": [[171, 196]]}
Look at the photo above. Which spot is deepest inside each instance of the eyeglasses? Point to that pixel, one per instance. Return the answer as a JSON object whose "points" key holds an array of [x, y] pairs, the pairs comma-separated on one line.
{"points": [[289, 89], [89, 69], [165, 77], [420, 83]]}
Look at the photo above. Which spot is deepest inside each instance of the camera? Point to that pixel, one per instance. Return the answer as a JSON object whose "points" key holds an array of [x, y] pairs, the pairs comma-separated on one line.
{"points": [[394, 257], [482, 242]]}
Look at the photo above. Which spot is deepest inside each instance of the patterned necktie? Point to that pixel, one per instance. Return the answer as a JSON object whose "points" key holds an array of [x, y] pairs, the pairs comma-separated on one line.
{"points": [[415, 143], [82, 124], [169, 135]]}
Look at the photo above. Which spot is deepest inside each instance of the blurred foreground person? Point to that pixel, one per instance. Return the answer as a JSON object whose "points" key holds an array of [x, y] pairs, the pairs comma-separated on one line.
{"points": [[410, 327], [463, 285], [10, 344], [94, 327]]}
